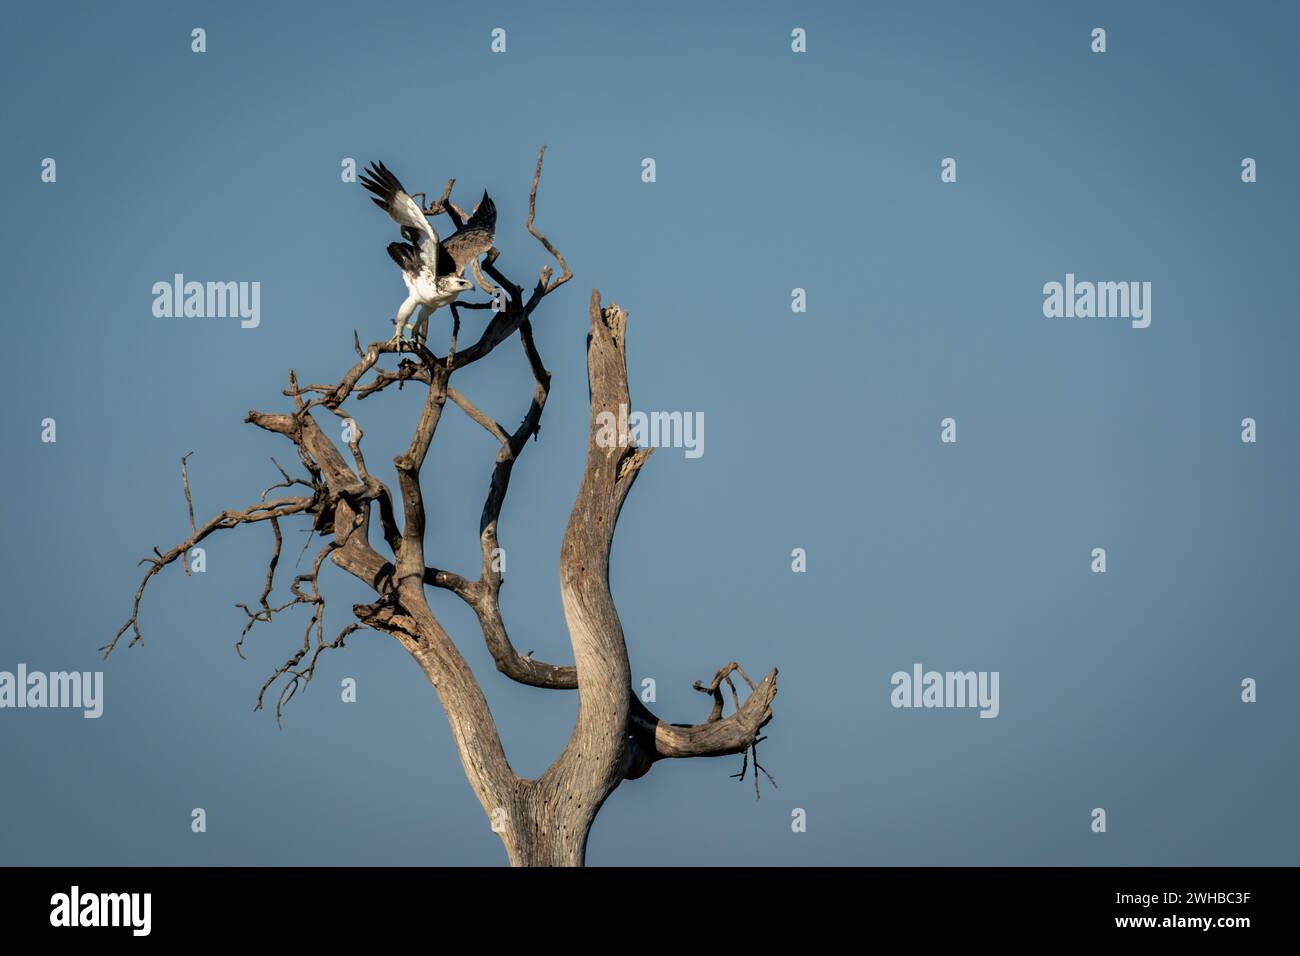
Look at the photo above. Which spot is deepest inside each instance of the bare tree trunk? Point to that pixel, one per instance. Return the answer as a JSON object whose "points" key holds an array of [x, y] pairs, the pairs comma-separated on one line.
{"points": [[549, 827], [542, 822]]}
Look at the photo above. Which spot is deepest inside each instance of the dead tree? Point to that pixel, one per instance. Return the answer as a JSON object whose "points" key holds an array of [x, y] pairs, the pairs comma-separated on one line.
{"points": [[616, 737]]}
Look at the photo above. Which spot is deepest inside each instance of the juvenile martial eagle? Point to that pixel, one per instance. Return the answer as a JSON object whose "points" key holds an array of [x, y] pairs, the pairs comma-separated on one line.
{"points": [[433, 270]]}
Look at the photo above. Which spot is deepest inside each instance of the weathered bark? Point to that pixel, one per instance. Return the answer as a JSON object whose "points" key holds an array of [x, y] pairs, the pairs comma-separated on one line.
{"points": [[542, 822], [564, 802]]}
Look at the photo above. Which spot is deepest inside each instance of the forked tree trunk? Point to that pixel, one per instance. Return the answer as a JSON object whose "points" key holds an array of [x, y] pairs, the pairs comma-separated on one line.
{"points": [[546, 821], [548, 828]]}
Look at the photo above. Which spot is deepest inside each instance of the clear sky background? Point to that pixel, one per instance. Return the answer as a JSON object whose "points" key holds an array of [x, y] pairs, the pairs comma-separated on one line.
{"points": [[775, 171]]}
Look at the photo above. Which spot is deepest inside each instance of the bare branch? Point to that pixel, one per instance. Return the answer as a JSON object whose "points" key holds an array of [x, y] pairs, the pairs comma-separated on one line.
{"points": [[566, 275], [472, 410], [261, 511], [440, 205], [189, 502], [185, 480], [266, 611], [484, 595], [289, 481], [717, 736], [304, 675]]}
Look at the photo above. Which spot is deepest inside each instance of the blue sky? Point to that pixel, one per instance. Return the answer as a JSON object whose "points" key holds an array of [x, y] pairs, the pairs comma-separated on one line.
{"points": [[774, 171]]}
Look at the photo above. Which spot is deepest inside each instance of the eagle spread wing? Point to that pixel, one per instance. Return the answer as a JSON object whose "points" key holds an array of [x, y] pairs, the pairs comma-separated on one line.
{"points": [[392, 198], [409, 258], [469, 241], [422, 249]]}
